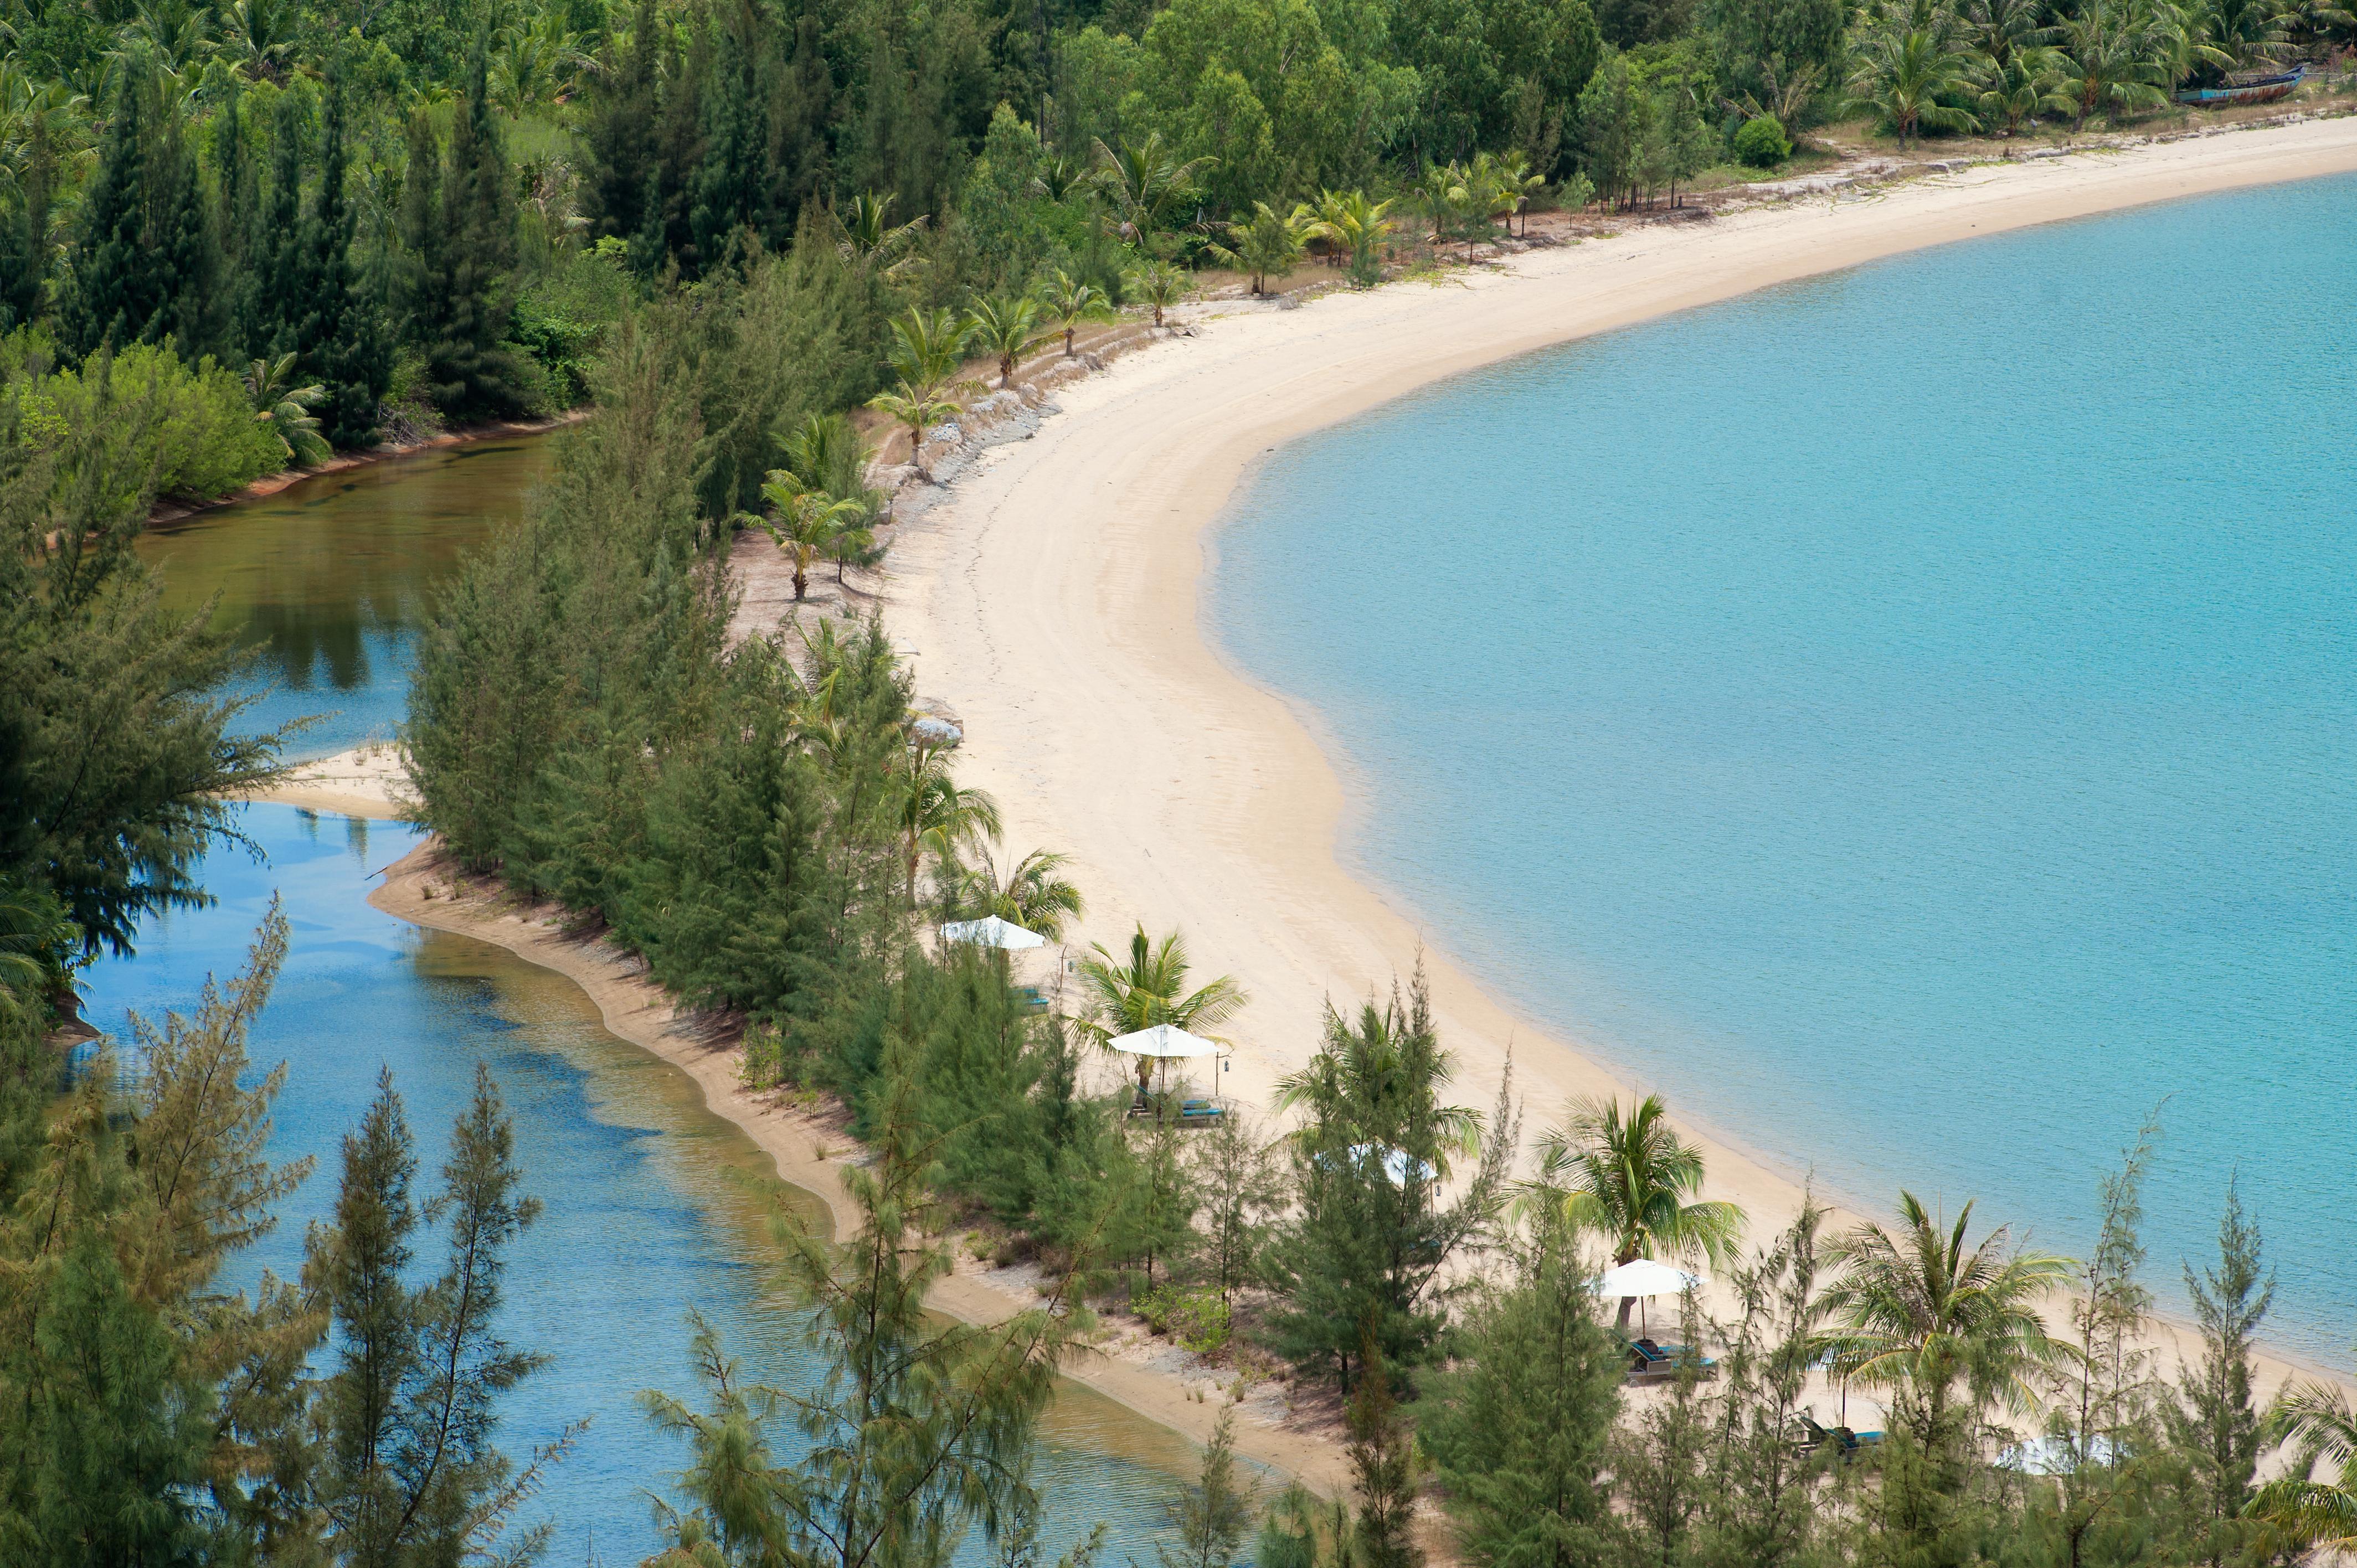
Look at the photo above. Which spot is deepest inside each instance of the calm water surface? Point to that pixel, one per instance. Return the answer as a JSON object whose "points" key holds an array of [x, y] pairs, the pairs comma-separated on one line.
{"points": [[329, 578], [1908, 717], [649, 1212]]}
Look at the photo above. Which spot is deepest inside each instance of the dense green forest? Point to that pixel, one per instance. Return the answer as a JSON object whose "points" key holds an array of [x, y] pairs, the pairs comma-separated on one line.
{"points": [[337, 222]]}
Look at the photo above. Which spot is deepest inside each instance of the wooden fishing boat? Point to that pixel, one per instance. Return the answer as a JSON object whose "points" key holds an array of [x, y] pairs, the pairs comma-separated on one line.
{"points": [[2251, 89]]}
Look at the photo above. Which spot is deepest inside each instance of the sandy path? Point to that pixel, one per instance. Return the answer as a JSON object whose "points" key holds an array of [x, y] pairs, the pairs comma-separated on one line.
{"points": [[1052, 601]]}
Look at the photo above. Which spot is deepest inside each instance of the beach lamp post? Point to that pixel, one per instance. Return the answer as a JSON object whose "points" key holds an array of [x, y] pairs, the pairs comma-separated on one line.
{"points": [[1642, 1279]]}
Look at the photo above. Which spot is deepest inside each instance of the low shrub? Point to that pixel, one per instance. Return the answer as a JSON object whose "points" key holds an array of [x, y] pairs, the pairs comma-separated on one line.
{"points": [[559, 320], [188, 430], [1760, 142], [1198, 1319]]}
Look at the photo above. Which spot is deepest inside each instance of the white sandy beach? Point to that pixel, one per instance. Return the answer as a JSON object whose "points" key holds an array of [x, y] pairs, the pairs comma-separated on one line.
{"points": [[1051, 601]]}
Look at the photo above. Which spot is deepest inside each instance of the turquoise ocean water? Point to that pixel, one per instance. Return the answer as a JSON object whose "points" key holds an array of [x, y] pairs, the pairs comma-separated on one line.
{"points": [[1909, 716]]}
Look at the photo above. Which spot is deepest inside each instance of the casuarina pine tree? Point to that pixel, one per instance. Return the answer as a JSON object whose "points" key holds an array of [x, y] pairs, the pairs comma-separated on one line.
{"points": [[24, 231], [271, 287], [146, 267], [462, 248], [341, 332], [111, 288], [409, 1411], [617, 133], [730, 184]]}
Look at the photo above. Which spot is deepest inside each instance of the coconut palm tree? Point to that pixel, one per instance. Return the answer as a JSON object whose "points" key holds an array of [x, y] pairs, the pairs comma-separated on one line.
{"points": [[174, 42], [2024, 86], [1067, 303], [535, 64], [1353, 225], [928, 349], [1032, 893], [937, 816], [1999, 30], [2242, 33], [871, 238], [1629, 1177], [1150, 988], [1146, 182], [257, 37], [1513, 182], [1453, 202], [906, 405], [1904, 72], [1918, 1312], [35, 942], [1160, 285], [2297, 1513], [2310, 25], [1060, 175], [1007, 329], [287, 410], [826, 456], [1269, 241], [806, 522], [2111, 58], [1488, 193]]}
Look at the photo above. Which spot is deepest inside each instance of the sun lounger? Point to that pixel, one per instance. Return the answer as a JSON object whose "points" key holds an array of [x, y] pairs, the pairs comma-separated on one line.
{"points": [[1809, 1437], [1653, 1363], [1200, 1113], [1030, 999]]}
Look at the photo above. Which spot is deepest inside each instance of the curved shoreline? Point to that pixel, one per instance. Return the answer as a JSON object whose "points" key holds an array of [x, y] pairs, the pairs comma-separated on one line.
{"points": [[176, 512], [1074, 654], [1053, 600], [807, 1146]]}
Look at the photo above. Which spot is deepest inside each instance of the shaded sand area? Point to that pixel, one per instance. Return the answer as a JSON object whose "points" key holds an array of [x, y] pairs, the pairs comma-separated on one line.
{"points": [[1051, 601]]}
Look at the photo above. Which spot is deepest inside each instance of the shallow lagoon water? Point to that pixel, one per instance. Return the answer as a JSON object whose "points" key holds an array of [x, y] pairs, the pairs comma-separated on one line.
{"points": [[1908, 717], [653, 1203], [328, 579]]}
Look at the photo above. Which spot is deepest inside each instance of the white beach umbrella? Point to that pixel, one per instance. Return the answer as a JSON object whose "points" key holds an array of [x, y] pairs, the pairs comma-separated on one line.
{"points": [[1162, 1043], [1165, 1042], [993, 933], [1396, 1162], [1643, 1278], [2053, 1457]]}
